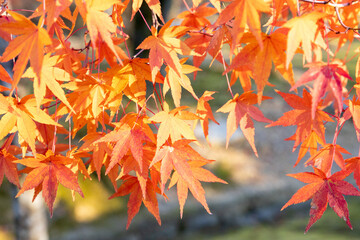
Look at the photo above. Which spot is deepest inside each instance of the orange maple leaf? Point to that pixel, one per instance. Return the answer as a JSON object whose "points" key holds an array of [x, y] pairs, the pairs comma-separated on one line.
{"points": [[196, 17], [46, 171], [49, 77], [259, 59], [154, 5], [353, 165], [128, 136], [7, 162], [100, 151], [130, 79], [22, 114], [354, 110], [325, 157], [246, 13], [164, 46], [28, 45], [126, 139], [323, 191], [173, 125], [53, 9], [200, 174], [206, 42], [310, 131], [204, 111], [98, 22], [241, 110], [175, 157]]}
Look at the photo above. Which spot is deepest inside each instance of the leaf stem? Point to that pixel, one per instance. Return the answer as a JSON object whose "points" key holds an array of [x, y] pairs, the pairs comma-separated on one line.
{"points": [[187, 6], [226, 75], [144, 20]]}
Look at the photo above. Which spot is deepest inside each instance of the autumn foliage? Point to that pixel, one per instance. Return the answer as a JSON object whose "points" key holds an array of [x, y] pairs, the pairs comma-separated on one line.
{"points": [[144, 143]]}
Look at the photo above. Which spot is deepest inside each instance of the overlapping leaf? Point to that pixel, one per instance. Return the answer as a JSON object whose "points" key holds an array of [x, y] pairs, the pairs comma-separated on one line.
{"points": [[246, 13], [241, 112], [310, 130], [325, 76], [200, 174], [204, 111], [29, 45], [45, 174], [323, 191], [164, 47], [19, 115], [131, 186]]}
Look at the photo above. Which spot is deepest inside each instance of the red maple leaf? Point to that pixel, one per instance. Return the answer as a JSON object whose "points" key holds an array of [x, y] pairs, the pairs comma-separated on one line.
{"points": [[131, 186], [7, 162], [324, 76], [45, 173], [323, 191]]}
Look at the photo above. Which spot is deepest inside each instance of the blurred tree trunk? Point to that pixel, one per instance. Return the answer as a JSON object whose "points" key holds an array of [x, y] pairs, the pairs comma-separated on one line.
{"points": [[30, 219]]}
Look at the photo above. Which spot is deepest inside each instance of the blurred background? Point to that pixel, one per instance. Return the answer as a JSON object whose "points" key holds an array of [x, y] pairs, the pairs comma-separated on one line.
{"points": [[247, 208]]}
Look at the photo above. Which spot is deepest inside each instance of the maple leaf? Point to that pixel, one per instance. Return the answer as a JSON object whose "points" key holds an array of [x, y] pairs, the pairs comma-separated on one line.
{"points": [[21, 114], [200, 174], [100, 151], [130, 79], [353, 165], [279, 5], [304, 30], [5, 77], [246, 13], [324, 76], [104, 52], [89, 94], [99, 23], [323, 191], [46, 173], [196, 16], [129, 164], [7, 162], [220, 36], [173, 125], [154, 5], [310, 131], [259, 59], [173, 82], [354, 109], [204, 111], [53, 10], [176, 157], [164, 46], [128, 138], [241, 111], [324, 158], [206, 42], [28, 45], [48, 140], [131, 186], [49, 76]]}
